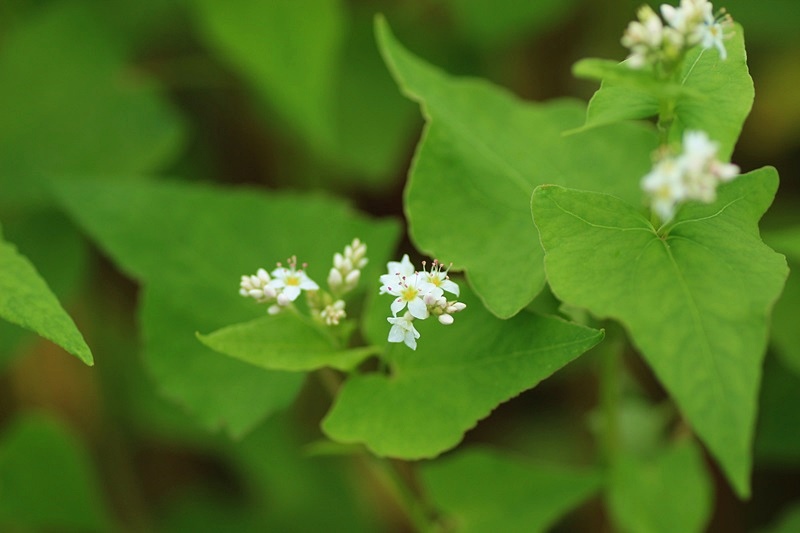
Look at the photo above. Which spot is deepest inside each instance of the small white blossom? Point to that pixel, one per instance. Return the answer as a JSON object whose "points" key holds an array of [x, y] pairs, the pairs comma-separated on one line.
{"points": [[289, 282], [693, 175], [346, 271], [437, 278], [334, 313], [403, 330], [395, 270], [257, 287]]}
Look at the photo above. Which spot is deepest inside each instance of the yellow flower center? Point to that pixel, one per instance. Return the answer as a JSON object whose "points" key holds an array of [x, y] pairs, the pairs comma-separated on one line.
{"points": [[409, 293]]}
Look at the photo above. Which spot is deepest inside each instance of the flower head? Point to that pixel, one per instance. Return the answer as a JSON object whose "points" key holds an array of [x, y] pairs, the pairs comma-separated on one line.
{"points": [[692, 175], [257, 287], [403, 330], [289, 282], [437, 278]]}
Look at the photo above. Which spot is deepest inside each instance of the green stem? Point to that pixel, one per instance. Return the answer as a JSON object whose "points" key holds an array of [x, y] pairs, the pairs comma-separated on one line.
{"points": [[610, 391], [387, 474]]}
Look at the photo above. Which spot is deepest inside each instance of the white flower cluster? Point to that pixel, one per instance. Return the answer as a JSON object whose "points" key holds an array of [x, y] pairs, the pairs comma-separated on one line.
{"points": [[651, 42], [285, 285], [421, 293], [692, 175]]}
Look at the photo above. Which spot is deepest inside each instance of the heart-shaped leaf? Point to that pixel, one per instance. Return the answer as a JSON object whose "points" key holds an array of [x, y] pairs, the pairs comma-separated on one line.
{"points": [[695, 298], [457, 375], [481, 155]]}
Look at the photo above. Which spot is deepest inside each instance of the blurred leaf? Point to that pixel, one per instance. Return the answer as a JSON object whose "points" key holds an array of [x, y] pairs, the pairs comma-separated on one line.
{"points": [[54, 246], [714, 95], [284, 342], [788, 522], [47, 482], [295, 492], [289, 49], [480, 157], [785, 333], [489, 23], [778, 437], [199, 510], [26, 300], [321, 74], [456, 376], [696, 299], [671, 492], [482, 490], [190, 245], [70, 104]]}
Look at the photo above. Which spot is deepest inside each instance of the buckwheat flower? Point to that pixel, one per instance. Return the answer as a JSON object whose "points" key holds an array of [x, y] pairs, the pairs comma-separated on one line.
{"points": [[442, 309], [688, 18], [643, 37], [396, 270], [257, 287], [403, 330], [665, 186], [289, 282], [346, 271], [437, 278], [408, 292], [712, 33], [334, 313]]}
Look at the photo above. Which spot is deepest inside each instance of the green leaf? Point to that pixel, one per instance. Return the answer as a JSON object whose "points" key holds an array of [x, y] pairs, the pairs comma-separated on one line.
{"points": [[291, 56], [71, 104], [788, 522], [26, 300], [481, 155], [189, 245], [284, 342], [49, 241], [47, 482], [485, 490], [695, 299], [667, 493], [778, 436], [712, 95], [456, 376], [785, 334]]}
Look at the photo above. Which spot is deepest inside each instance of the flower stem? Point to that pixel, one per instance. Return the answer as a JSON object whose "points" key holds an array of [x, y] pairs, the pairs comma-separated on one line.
{"points": [[610, 390]]}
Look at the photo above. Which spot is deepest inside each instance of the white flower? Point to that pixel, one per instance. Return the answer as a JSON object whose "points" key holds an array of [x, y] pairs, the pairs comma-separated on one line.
{"points": [[290, 281], [334, 313], [403, 330], [666, 188], [643, 37], [396, 270], [437, 278], [693, 175], [410, 293], [344, 275], [712, 32], [257, 287]]}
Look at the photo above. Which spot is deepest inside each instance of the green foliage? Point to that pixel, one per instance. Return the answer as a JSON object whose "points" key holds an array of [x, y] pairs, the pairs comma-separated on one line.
{"points": [[668, 492], [709, 94], [512, 495], [189, 245], [482, 154], [785, 334], [433, 395], [695, 296], [320, 74], [284, 342], [72, 105], [26, 300], [47, 482]]}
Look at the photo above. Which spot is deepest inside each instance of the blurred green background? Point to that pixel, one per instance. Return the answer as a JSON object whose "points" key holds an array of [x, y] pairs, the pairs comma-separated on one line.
{"points": [[291, 95]]}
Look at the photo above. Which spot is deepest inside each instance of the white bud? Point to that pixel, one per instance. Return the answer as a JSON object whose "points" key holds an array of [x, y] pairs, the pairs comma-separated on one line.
{"points": [[334, 279], [283, 300], [274, 309], [446, 319], [338, 260], [352, 278]]}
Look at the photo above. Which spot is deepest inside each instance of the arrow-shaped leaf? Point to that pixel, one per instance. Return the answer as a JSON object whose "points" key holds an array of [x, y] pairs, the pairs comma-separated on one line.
{"points": [[695, 298]]}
